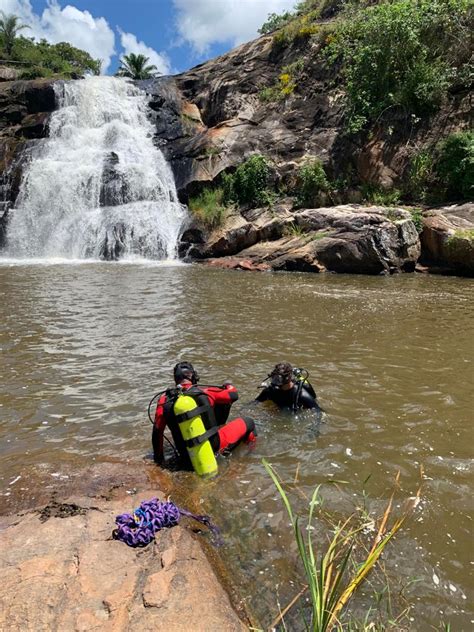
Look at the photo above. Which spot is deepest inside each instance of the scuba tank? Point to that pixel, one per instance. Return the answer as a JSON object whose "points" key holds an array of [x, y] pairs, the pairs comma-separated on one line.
{"points": [[195, 435]]}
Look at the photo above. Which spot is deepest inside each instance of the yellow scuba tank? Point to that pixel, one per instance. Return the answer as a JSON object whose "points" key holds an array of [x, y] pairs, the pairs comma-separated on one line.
{"points": [[202, 455]]}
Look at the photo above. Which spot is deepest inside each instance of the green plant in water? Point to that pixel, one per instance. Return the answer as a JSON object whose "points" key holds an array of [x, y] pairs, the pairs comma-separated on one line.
{"points": [[208, 207], [332, 578]]}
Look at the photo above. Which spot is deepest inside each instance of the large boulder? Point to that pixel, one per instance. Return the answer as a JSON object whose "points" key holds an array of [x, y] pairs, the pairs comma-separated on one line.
{"points": [[448, 239], [347, 238], [61, 570]]}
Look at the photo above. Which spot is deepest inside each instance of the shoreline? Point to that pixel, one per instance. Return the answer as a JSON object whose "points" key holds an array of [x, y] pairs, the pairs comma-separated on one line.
{"points": [[63, 569]]}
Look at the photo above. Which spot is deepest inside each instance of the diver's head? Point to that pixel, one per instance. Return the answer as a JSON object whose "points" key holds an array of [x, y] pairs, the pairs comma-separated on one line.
{"points": [[185, 371], [281, 376]]}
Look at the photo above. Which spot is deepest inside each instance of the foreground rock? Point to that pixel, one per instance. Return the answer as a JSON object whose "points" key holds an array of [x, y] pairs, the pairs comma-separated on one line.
{"points": [[347, 238], [448, 240], [61, 570]]}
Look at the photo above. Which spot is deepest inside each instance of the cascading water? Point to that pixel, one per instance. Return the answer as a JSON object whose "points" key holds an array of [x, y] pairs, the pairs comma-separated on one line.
{"points": [[97, 187]]}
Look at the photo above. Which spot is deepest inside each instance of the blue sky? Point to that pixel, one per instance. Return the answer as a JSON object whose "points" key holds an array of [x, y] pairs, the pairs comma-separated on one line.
{"points": [[175, 34]]}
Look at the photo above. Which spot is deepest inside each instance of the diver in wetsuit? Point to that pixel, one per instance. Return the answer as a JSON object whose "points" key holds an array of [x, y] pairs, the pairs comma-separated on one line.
{"points": [[289, 388], [214, 403]]}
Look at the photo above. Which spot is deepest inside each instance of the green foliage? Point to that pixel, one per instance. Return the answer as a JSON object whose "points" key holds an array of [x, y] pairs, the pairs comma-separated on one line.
{"points": [[402, 54], [286, 84], [249, 184], [332, 574], [10, 26], [294, 230], [298, 30], [420, 176], [374, 194], [312, 181], [455, 165], [208, 207], [136, 67], [417, 218], [274, 22], [42, 59]]}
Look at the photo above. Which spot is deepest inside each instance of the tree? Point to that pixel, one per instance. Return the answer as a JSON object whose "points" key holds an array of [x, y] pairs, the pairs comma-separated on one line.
{"points": [[10, 26], [136, 67]]}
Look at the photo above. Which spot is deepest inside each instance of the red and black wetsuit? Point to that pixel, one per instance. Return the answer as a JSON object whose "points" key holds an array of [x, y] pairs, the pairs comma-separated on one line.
{"points": [[219, 399]]}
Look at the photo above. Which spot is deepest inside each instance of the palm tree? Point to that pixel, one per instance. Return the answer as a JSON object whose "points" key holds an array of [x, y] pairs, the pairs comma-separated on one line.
{"points": [[135, 67], [9, 27]]}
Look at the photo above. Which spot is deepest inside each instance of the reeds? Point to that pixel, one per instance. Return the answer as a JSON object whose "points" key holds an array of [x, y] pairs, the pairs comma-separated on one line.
{"points": [[331, 573]]}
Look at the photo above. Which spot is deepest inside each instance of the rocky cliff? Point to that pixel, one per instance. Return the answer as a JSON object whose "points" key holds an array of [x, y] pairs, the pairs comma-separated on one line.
{"points": [[213, 117]]}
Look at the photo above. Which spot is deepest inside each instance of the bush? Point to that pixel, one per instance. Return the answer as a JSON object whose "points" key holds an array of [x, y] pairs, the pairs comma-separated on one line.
{"points": [[312, 181], [401, 54], [374, 194], [43, 59], [208, 207], [420, 176], [455, 165], [248, 185], [274, 22]]}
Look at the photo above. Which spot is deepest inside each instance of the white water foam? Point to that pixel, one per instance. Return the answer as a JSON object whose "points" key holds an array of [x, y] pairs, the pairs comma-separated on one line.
{"points": [[97, 187]]}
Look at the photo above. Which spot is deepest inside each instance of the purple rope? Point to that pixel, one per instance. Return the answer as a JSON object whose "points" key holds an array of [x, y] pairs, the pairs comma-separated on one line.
{"points": [[139, 528]]}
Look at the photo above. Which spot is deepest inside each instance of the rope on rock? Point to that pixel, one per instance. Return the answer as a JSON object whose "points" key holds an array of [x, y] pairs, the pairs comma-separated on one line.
{"points": [[139, 528]]}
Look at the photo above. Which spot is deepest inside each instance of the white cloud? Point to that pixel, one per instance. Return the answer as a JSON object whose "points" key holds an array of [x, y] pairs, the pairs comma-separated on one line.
{"points": [[67, 24], [204, 22], [130, 44]]}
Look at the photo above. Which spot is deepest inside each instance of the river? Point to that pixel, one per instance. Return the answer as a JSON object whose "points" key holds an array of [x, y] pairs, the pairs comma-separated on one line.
{"points": [[85, 346]]}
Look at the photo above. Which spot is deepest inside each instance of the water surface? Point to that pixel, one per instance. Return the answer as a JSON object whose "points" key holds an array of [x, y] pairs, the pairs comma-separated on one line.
{"points": [[84, 347]]}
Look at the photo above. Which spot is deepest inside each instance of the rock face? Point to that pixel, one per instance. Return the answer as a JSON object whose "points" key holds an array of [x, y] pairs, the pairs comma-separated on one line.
{"points": [[212, 117], [25, 107], [61, 570], [348, 238], [448, 239]]}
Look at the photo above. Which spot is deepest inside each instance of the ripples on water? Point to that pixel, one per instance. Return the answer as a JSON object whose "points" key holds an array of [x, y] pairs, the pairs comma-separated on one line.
{"points": [[84, 347]]}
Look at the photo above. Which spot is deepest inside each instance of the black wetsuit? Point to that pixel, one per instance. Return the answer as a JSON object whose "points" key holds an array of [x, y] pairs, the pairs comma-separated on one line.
{"points": [[288, 399]]}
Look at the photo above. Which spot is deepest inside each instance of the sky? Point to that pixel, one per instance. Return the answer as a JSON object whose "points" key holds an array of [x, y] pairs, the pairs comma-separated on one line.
{"points": [[174, 34]]}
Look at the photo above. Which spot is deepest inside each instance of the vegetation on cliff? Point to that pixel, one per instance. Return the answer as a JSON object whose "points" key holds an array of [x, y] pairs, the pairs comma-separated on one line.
{"points": [[41, 59], [397, 62]]}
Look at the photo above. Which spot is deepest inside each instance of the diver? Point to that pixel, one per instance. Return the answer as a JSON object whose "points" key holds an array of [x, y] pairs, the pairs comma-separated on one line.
{"points": [[212, 404], [289, 388]]}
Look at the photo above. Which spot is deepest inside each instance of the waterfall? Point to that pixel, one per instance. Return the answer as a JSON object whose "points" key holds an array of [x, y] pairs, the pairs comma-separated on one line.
{"points": [[97, 187]]}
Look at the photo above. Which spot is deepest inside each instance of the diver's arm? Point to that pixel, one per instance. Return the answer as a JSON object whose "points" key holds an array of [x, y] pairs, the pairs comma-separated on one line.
{"points": [[226, 395], [306, 400], [263, 396], [158, 431]]}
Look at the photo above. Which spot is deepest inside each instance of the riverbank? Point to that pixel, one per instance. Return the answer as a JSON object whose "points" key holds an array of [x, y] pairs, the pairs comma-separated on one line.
{"points": [[62, 569]]}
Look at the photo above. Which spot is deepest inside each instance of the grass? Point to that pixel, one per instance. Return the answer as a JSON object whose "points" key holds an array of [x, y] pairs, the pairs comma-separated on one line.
{"points": [[294, 230], [208, 208], [332, 574]]}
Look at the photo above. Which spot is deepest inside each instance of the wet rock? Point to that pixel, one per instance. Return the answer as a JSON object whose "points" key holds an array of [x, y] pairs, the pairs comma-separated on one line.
{"points": [[447, 239], [25, 107], [69, 574]]}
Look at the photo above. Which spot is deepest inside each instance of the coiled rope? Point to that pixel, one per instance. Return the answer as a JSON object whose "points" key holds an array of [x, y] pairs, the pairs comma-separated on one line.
{"points": [[139, 528]]}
